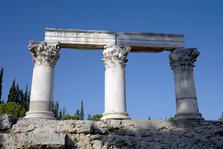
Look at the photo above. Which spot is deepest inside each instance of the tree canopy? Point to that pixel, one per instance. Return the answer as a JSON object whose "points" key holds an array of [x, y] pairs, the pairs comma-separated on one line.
{"points": [[12, 108]]}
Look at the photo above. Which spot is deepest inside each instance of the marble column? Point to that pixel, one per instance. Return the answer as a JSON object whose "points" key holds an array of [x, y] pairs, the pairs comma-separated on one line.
{"points": [[44, 57], [182, 63], [115, 59]]}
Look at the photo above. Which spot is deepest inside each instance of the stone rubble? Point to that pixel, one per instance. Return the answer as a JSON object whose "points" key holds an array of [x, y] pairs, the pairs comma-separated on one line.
{"points": [[109, 134], [6, 121]]}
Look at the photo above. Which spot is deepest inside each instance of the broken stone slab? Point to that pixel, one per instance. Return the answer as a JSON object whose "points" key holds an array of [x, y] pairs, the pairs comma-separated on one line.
{"points": [[37, 140], [6, 121]]}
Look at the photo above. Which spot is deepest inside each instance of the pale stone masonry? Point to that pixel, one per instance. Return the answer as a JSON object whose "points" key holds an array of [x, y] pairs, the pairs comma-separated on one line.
{"points": [[115, 47], [182, 62], [115, 59], [110, 134], [44, 57], [97, 39]]}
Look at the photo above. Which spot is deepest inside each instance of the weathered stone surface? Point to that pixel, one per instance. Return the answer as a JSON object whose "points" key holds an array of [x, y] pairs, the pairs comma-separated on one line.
{"points": [[113, 134], [115, 59], [96, 39], [6, 121], [182, 63], [45, 56], [32, 133]]}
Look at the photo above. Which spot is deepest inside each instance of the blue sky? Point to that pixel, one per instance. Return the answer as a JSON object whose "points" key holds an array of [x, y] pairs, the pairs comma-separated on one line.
{"points": [[149, 80]]}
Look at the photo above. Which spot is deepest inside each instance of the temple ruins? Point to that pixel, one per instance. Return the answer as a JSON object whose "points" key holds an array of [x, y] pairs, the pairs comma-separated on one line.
{"points": [[115, 47]]}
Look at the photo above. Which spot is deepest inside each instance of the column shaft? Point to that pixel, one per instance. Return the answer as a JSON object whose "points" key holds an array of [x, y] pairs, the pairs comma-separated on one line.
{"points": [[115, 90], [185, 92], [41, 102], [115, 59], [182, 62]]}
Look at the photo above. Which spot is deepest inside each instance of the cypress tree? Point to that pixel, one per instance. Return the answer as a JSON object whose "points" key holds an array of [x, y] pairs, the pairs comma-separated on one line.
{"points": [[60, 114], [56, 110], [23, 99], [82, 111], [64, 112], [77, 113], [1, 79], [18, 95], [12, 93], [26, 99], [89, 117]]}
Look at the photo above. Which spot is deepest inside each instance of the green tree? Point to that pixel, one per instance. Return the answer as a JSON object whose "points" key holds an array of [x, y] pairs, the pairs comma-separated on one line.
{"points": [[172, 119], [96, 117], [18, 95], [56, 110], [12, 108], [26, 99], [12, 93], [82, 111], [60, 115], [89, 117], [70, 117], [1, 79], [77, 113], [64, 111]]}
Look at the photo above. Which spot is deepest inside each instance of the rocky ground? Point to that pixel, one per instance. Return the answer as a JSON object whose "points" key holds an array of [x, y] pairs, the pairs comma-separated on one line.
{"points": [[111, 134]]}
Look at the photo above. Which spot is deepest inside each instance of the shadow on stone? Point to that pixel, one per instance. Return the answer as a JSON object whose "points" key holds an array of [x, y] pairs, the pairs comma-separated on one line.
{"points": [[109, 134]]}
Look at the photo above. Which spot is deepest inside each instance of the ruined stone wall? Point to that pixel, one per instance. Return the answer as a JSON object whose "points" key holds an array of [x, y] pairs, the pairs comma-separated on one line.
{"points": [[110, 134]]}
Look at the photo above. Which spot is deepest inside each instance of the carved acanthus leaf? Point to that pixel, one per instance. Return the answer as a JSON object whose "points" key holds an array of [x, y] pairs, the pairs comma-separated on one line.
{"points": [[44, 53], [114, 55], [182, 58]]}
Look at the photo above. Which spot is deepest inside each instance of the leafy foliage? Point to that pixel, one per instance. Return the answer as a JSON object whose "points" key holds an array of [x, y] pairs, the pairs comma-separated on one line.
{"points": [[172, 118], [63, 115], [70, 117], [18, 101], [18, 96], [12, 108], [79, 114], [12, 93], [26, 99], [96, 117]]}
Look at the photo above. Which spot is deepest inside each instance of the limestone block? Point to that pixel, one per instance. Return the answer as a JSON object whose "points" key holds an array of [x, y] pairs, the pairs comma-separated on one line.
{"points": [[97, 39], [6, 121], [39, 133]]}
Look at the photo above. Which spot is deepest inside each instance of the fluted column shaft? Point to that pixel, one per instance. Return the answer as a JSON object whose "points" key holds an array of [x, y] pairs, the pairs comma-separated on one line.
{"points": [[182, 63], [44, 56], [115, 59]]}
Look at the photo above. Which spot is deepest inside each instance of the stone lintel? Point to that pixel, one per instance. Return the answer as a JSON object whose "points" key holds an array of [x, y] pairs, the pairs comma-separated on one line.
{"points": [[94, 39]]}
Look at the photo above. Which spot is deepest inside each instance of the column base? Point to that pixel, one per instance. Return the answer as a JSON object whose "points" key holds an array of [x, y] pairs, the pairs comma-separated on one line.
{"points": [[40, 115], [115, 116], [189, 116]]}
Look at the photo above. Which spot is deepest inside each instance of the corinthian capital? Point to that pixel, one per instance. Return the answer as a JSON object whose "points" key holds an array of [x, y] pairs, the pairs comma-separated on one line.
{"points": [[181, 58], [114, 56], [44, 53]]}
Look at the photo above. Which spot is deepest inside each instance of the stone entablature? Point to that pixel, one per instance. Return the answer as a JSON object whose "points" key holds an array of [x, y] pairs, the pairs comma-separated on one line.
{"points": [[94, 39]]}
